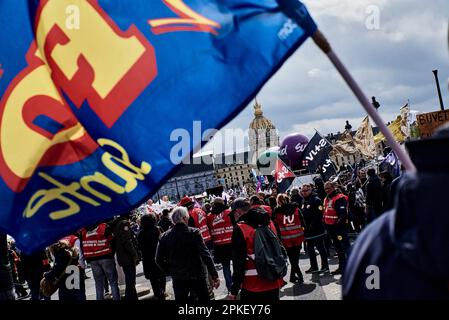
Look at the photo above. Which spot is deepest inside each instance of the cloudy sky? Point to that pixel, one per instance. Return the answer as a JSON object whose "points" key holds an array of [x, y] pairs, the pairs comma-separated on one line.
{"points": [[393, 63]]}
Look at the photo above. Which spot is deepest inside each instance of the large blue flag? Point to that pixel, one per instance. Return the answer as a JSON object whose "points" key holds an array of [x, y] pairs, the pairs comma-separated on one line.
{"points": [[99, 98]]}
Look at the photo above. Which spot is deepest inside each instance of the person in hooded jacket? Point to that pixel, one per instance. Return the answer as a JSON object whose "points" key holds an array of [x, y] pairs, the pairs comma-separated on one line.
{"points": [[314, 231], [288, 222], [403, 254], [148, 239], [245, 279]]}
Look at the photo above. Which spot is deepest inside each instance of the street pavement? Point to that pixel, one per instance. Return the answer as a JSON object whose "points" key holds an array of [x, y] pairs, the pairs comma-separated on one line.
{"points": [[315, 287]]}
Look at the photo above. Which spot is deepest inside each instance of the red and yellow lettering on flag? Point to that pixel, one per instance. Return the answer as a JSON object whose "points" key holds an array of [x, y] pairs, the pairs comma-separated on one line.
{"points": [[88, 109]]}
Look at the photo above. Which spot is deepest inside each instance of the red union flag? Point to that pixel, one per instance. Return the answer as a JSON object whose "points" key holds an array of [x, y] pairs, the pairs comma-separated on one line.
{"points": [[282, 171]]}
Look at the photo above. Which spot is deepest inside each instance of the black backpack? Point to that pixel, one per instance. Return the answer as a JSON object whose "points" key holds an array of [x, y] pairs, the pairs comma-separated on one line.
{"points": [[270, 254]]}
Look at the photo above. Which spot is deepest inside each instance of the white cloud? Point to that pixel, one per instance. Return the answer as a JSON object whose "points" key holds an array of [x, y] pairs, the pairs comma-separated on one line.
{"points": [[393, 63]]}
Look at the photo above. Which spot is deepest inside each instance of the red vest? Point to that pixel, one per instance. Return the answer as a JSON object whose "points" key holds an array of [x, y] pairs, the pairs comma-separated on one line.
{"points": [[292, 233], [252, 281], [199, 218], [263, 206], [220, 226], [71, 240], [95, 244], [330, 215]]}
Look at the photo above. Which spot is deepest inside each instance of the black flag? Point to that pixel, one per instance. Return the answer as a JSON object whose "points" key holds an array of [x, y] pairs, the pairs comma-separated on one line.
{"points": [[316, 154]]}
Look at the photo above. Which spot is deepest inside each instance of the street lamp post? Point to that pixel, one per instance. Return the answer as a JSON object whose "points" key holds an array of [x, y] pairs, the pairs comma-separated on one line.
{"points": [[435, 73]]}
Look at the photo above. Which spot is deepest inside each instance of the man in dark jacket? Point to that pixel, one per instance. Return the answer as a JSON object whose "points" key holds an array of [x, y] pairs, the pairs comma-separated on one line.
{"points": [[6, 283], [181, 253], [373, 196], [403, 254], [148, 239], [127, 254], [314, 232]]}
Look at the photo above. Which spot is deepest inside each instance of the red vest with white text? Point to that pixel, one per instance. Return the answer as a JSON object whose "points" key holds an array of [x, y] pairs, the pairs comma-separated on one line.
{"points": [[71, 240], [291, 231], [95, 243], [252, 281], [199, 218], [220, 226], [330, 215]]}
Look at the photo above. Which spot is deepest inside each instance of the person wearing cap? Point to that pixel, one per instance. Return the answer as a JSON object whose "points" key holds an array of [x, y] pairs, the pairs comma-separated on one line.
{"points": [[403, 254], [182, 254], [221, 227], [197, 219], [245, 279]]}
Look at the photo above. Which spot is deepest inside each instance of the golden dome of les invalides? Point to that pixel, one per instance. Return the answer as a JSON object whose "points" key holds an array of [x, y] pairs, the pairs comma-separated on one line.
{"points": [[259, 121]]}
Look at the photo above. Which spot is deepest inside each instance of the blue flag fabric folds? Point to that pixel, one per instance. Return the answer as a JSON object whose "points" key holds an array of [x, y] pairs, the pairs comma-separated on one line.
{"points": [[99, 98]]}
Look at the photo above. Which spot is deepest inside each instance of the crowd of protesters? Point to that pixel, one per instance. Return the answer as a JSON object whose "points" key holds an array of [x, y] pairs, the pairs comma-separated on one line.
{"points": [[188, 241]]}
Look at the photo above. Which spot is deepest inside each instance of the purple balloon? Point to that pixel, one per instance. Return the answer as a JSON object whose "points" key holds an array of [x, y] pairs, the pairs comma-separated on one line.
{"points": [[292, 148]]}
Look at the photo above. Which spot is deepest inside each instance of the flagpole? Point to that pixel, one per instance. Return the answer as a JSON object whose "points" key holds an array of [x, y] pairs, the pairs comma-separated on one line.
{"points": [[321, 41]]}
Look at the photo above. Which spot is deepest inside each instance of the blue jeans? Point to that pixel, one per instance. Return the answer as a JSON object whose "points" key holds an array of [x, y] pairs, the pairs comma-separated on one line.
{"points": [[100, 269], [227, 273]]}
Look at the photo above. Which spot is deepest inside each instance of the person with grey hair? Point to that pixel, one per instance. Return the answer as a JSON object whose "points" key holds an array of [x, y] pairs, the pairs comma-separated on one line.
{"points": [[178, 214], [182, 254]]}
